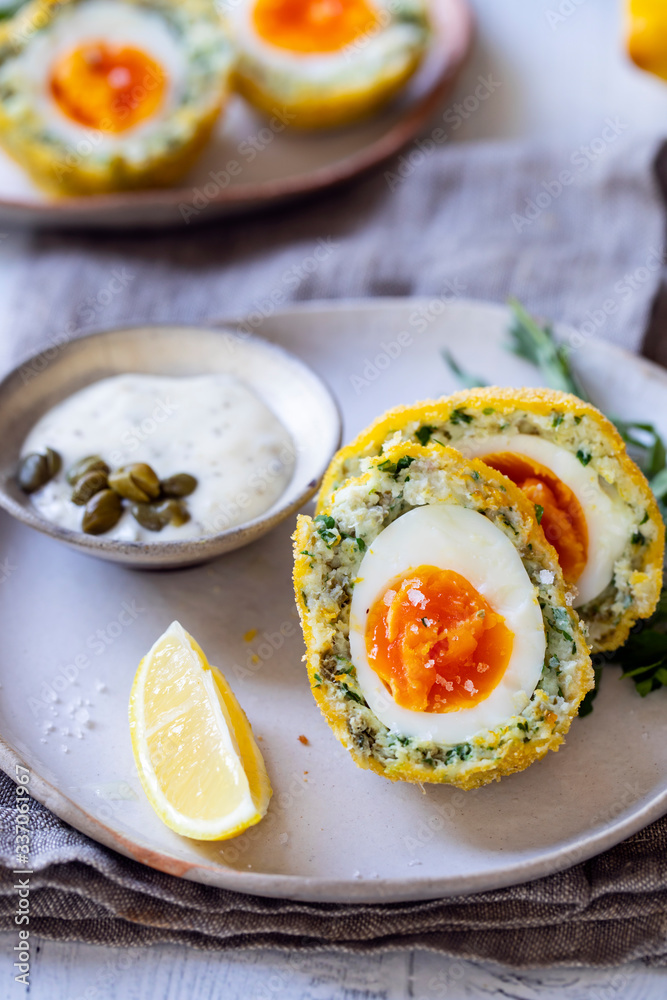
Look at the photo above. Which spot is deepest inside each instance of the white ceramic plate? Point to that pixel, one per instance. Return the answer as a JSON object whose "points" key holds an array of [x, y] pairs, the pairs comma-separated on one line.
{"points": [[253, 165], [71, 624]]}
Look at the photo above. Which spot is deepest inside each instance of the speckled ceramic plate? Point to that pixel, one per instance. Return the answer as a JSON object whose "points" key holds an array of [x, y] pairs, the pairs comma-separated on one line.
{"points": [[247, 164], [74, 630]]}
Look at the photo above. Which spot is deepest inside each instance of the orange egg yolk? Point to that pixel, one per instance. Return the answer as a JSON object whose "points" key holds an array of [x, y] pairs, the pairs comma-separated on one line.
{"points": [[106, 86], [435, 642], [562, 518], [309, 26]]}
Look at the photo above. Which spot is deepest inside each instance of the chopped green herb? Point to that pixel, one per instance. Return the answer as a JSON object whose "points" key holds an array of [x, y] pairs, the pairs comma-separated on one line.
{"points": [[554, 661], [394, 468], [561, 622], [349, 693], [318, 679], [639, 538], [558, 419], [361, 544], [645, 518], [459, 416], [539, 512], [423, 434], [325, 520], [578, 420], [474, 474], [488, 410], [584, 456]]}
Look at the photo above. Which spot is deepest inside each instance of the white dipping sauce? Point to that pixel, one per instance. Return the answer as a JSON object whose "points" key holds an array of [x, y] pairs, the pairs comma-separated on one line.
{"points": [[212, 426]]}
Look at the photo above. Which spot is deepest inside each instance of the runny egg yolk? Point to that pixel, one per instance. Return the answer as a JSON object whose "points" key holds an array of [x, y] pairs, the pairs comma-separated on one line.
{"points": [[562, 519], [436, 642], [106, 86], [310, 26]]}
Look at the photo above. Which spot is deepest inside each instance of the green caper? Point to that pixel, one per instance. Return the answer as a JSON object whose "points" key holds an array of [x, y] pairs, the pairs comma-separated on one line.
{"points": [[156, 516], [35, 470], [54, 461], [102, 513], [135, 482], [88, 485], [148, 516], [180, 485], [91, 463], [174, 511]]}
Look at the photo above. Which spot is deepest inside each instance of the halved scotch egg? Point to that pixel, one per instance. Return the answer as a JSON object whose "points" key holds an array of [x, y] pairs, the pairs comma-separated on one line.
{"points": [[324, 63], [440, 639], [593, 503], [104, 95]]}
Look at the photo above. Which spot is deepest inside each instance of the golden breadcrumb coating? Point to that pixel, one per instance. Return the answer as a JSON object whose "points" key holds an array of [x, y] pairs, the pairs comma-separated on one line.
{"points": [[326, 566]]}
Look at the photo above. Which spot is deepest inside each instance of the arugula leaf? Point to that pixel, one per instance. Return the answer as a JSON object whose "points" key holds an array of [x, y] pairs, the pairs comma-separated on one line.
{"points": [[467, 379], [537, 344]]}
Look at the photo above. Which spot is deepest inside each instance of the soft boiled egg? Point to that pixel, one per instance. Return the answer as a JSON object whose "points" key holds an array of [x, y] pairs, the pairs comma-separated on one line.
{"points": [[582, 520], [320, 63], [446, 632], [592, 502], [106, 94]]}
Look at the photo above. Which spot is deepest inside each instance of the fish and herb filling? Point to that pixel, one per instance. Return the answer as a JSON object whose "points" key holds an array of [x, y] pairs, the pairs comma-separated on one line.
{"points": [[441, 641], [593, 503], [104, 95]]}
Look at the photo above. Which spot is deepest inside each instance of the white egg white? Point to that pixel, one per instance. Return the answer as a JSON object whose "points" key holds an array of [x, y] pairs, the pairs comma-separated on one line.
{"points": [[608, 520], [109, 21], [464, 541]]}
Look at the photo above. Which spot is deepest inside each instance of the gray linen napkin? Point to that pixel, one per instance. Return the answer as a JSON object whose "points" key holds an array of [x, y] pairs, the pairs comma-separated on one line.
{"points": [[576, 236]]}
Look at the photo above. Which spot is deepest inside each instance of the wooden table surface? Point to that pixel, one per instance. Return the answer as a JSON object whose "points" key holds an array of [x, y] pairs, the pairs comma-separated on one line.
{"points": [[562, 72]]}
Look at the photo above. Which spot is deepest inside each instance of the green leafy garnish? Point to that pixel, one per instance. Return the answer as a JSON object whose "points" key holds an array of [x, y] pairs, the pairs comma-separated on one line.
{"points": [[538, 345], [466, 379], [584, 456]]}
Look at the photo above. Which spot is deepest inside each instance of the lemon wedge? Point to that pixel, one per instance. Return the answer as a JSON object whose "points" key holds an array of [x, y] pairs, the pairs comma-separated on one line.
{"points": [[195, 752]]}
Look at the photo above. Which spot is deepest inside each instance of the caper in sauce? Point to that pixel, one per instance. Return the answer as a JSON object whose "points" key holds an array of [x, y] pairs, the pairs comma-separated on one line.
{"points": [[91, 463], [103, 512], [156, 516], [135, 482], [182, 484], [37, 469], [88, 485]]}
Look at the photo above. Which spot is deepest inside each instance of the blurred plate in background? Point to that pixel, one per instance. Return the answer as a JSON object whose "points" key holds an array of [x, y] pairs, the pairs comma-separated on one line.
{"points": [[271, 165]]}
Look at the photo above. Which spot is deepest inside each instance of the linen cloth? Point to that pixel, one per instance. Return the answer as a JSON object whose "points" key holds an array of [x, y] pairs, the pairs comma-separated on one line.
{"points": [[578, 243]]}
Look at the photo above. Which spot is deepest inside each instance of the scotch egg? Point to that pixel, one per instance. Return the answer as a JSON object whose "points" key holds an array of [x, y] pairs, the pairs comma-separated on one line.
{"points": [[103, 95], [324, 63], [592, 501], [440, 638]]}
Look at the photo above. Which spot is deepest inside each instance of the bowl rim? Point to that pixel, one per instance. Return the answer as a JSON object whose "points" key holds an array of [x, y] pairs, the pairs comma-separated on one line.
{"points": [[191, 550]]}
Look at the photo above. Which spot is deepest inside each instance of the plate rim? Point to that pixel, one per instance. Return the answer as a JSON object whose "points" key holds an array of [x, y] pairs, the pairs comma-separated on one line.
{"points": [[257, 193], [356, 891]]}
